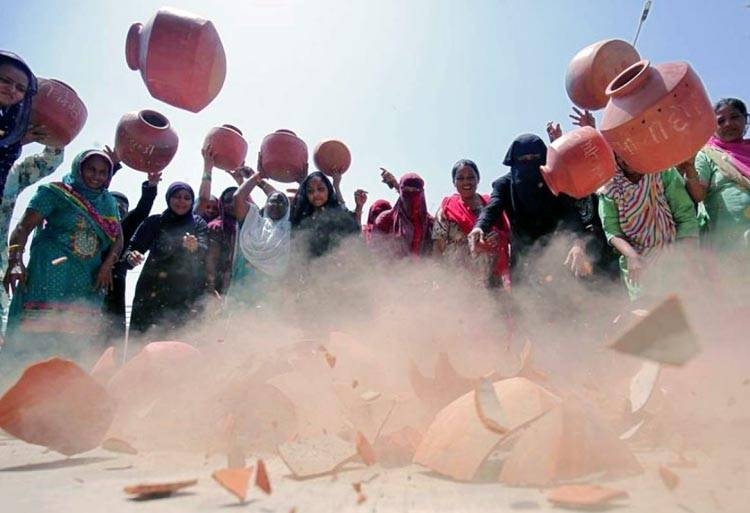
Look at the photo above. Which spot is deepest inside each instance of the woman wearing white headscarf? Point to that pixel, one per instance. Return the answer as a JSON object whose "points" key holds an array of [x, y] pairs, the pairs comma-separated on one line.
{"points": [[263, 241]]}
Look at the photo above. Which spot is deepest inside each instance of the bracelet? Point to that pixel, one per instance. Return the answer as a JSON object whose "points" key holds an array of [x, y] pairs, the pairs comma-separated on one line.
{"points": [[206, 176]]}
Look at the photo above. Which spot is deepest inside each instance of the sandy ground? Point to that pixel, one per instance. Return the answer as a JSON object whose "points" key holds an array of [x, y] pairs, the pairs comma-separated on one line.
{"points": [[33, 479]]}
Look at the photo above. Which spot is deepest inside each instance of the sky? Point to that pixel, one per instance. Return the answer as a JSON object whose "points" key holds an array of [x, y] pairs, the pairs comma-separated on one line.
{"points": [[409, 85]]}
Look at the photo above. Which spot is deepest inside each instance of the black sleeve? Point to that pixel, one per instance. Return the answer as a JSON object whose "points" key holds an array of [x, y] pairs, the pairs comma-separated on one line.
{"points": [[570, 216], [499, 202], [145, 235], [141, 211], [201, 233]]}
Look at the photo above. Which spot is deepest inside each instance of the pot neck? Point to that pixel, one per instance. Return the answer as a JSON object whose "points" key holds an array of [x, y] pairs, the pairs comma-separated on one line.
{"points": [[630, 79]]}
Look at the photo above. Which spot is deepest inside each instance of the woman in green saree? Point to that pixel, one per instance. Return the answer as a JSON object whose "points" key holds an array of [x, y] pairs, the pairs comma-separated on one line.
{"points": [[56, 306]]}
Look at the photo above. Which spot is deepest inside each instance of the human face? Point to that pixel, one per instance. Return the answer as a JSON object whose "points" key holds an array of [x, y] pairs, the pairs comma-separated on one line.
{"points": [[466, 182], [95, 172], [227, 203], [122, 207], [13, 85], [181, 202], [317, 192], [732, 124], [212, 209], [276, 206]]}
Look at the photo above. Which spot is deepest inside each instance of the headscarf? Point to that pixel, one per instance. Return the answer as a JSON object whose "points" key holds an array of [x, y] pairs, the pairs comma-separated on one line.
{"points": [[530, 196], [738, 153], [15, 119], [377, 208], [643, 211], [225, 223], [409, 220], [98, 204], [170, 215], [264, 242], [302, 207]]}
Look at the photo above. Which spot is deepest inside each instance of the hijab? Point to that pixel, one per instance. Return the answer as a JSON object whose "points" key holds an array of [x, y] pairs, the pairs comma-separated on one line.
{"points": [[530, 196], [15, 119], [377, 208], [409, 220], [169, 215], [265, 242]]}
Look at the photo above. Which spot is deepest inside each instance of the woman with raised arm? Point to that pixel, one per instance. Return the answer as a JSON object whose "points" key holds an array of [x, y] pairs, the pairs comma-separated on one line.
{"points": [[173, 278], [407, 227], [57, 299]]}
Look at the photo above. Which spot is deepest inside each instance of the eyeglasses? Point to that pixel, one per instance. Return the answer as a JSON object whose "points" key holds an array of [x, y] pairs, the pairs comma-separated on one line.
{"points": [[20, 88]]}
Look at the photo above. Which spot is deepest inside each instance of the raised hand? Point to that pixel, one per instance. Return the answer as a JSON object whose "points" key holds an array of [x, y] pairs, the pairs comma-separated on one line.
{"points": [[154, 177], [584, 118], [360, 198], [554, 131], [388, 178]]}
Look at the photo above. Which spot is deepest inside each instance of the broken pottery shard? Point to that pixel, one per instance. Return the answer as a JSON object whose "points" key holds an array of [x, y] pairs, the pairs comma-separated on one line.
{"points": [[116, 445], [57, 405], [156, 490], [568, 442], [584, 495], [105, 367], [663, 336], [642, 385], [234, 480], [261, 478], [365, 450], [457, 442], [398, 448], [446, 386], [488, 406], [668, 477], [627, 435], [315, 456]]}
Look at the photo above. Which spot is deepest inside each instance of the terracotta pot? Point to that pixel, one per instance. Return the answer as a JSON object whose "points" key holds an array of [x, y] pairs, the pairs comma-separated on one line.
{"points": [[145, 140], [57, 107], [593, 68], [229, 145], [284, 156], [180, 57], [578, 163], [657, 116], [331, 156]]}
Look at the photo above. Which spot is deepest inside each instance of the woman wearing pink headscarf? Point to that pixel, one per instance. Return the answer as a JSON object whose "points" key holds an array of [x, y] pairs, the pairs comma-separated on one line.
{"points": [[408, 223], [721, 178]]}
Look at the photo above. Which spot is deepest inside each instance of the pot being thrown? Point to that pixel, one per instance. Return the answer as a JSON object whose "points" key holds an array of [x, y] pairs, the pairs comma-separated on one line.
{"points": [[229, 146], [283, 156], [593, 68], [332, 156], [180, 57], [578, 163], [58, 109], [145, 140], [657, 116]]}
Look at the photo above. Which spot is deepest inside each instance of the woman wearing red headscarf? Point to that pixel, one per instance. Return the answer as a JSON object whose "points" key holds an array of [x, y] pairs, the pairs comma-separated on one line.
{"points": [[408, 223], [457, 216]]}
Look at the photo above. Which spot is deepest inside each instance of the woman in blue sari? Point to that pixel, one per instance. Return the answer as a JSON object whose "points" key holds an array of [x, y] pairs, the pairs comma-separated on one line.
{"points": [[56, 306]]}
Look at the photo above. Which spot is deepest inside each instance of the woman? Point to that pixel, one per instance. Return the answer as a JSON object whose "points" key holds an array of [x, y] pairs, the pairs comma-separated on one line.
{"points": [[17, 87], [222, 233], [263, 242], [535, 213], [57, 307], [641, 215], [318, 218], [721, 178], [454, 221], [408, 223], [173, 277], [377, 208]]}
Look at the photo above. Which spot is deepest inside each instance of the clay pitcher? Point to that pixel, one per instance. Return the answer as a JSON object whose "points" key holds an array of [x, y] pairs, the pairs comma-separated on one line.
{"points": [[229, 146], [578, 163], [332, 156], [145, 140], [180, 57], [283, 156], [57, 107], [657, 116], [593, 68]]}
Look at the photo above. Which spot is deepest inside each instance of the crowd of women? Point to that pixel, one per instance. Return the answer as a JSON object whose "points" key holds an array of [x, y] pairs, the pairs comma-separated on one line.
{"points": [[85, 240]]}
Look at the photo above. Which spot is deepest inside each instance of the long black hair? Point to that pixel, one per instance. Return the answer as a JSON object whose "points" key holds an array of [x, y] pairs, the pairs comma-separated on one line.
{"points": [[302, 207]]}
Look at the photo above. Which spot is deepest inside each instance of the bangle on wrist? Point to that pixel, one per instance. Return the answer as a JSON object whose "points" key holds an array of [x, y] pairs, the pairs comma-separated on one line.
{"points": [[206, 176]]}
